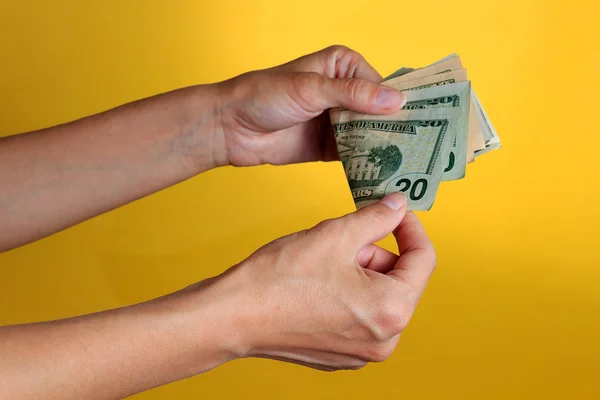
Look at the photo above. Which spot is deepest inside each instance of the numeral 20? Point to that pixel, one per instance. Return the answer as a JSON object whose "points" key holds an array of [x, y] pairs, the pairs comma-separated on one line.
{"points": [[417, 190]]}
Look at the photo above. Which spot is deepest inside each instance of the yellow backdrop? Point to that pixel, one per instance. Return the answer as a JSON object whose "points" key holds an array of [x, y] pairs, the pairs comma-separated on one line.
{"points": [[513, 310]]}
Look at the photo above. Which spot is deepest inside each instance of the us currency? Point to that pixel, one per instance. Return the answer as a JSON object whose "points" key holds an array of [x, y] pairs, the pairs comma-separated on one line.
{"points": [[475, 137], [483, 137], [447, 96], [492, 141], [402, 82], [406, 70], [449, 64], [403, 152], [399, 72]]}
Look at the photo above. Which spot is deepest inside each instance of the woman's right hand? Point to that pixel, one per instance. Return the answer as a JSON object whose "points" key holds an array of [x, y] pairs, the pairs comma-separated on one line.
{"points": [[328, 298]]}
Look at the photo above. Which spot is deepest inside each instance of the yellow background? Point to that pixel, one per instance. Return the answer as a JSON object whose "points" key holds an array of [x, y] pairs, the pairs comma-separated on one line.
{"points": [[513, 310]]}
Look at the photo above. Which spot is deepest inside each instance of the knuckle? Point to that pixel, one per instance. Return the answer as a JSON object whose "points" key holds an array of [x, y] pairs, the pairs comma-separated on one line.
{"points": [[338, 50], [380, 352], [305, 89], [359, 89], [308, 80], [345, 231], [329, 228], [328, 368], [392, 316], [357, 365], [388, 316], [343, 61], [339, 233], [378, 214], [244, 87], [343, 53], [324, 225], [320, 226]]}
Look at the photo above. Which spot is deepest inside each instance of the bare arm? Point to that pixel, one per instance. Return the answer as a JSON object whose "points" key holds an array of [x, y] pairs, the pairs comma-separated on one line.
{"points": [[326, 298], [58, 177], [116, 353], [265, 306]]}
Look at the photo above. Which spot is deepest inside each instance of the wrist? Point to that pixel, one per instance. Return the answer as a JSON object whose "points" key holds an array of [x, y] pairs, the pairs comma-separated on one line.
{"points": [[236, 132], [201, 136], [212, 329]]}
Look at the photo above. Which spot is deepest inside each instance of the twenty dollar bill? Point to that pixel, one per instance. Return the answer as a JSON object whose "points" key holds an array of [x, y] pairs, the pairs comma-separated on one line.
{"points": [[403, 152], [456, 95]]}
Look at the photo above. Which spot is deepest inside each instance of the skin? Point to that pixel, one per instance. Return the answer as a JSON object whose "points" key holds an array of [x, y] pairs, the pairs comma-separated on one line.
{"points": [[326, 297]]}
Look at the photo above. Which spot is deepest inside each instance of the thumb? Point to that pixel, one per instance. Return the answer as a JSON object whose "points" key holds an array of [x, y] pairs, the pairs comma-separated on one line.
{"points": [[362, 96], [374, 222]]}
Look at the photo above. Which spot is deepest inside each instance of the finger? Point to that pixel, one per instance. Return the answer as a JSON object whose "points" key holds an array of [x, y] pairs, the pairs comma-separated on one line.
{"points": [[374, 222], [417, 257], [320, 367], [318, 359], [363, 70], [335, 62], [377, 259], [361, 95], [342, 62]]}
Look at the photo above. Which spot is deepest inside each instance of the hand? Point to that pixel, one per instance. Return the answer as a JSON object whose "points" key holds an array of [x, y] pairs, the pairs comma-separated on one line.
{"points": [[276, 116], [328, 298]]}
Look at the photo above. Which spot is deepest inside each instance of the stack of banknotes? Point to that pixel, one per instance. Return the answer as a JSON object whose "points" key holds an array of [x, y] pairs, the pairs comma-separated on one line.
{"points": [[441, 128]]}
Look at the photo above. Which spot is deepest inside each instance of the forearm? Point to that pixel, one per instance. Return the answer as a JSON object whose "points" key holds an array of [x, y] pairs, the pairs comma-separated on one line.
{"points": [[58, 177], [117, 353]]}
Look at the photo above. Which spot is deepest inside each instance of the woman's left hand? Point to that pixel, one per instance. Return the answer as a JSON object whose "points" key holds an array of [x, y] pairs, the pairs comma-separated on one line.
{"points": [[277, 116]]}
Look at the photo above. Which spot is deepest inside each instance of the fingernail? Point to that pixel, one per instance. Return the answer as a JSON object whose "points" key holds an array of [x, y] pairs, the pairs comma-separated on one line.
{"points": [[395, 201], [389, 98]]}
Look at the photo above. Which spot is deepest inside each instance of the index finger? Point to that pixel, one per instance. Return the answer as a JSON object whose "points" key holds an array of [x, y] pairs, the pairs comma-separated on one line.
{"points": [[417, 257], [335, 62]]}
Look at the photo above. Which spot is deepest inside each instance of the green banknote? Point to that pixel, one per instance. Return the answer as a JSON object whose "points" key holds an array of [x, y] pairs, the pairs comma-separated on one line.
{"points": [[455, 95], [403, 152], [406, 70], [404, 83], [440, 129], [449, 64], [482, 136], [397, 73], [490, 137]]}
